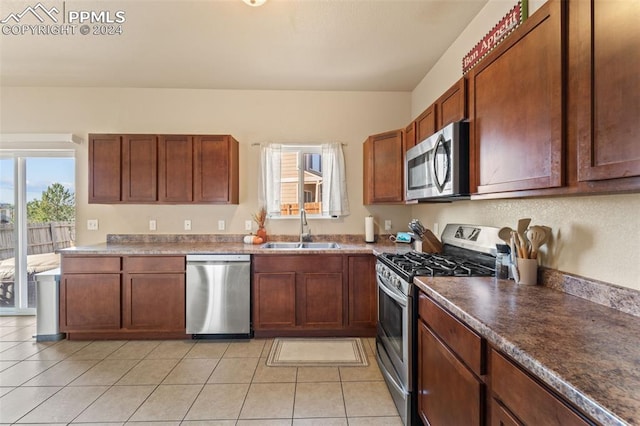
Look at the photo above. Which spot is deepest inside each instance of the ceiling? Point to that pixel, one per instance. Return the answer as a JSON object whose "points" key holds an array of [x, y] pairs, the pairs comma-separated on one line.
{"points": [[362, 45]]}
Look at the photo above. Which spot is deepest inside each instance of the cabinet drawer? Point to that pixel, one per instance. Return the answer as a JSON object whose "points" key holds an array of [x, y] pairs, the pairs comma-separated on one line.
{"points": [[96, 265], [298, 263], [528, 400], [154, 263], [461, 339]]}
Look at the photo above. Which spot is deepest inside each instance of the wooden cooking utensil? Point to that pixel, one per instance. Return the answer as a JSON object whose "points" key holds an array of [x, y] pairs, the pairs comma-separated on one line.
{"points": [[523, 224], [505, 234], [538, 236]]}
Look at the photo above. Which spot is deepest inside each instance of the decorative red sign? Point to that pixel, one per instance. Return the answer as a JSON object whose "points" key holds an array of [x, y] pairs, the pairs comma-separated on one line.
{"points": [[499, 32]]}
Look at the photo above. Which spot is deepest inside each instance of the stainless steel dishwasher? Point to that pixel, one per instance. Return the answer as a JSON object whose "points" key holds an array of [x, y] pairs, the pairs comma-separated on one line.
{"points": [[219, 295]]}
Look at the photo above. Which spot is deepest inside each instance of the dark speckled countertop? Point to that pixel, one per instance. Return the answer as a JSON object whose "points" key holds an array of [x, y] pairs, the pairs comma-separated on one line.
{"points": [[587, 352], [184, 248], [183, 244]]}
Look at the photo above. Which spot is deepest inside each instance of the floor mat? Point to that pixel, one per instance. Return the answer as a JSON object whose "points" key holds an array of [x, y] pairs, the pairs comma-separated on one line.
{"points": [[317, 352]]}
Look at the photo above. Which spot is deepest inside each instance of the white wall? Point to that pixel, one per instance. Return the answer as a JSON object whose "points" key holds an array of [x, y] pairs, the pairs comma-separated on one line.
{"points": [[250, 116], [593, 236]]}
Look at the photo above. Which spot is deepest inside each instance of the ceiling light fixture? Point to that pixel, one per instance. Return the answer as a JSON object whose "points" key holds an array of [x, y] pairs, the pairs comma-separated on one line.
{"points": [[255, 3]]}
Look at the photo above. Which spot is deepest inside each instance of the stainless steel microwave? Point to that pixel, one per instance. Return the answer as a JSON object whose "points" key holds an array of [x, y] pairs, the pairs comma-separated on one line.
{"points": [[437, 169]]}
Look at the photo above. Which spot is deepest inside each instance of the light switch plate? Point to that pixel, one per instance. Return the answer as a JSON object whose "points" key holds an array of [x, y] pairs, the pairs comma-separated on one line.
{"points": [[92, 224], [247, 225], [221, 225], [187, 225], [387, 225]]}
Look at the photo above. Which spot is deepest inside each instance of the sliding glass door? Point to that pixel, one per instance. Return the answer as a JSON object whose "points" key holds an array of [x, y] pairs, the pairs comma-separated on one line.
{"points": [[37, 217]]}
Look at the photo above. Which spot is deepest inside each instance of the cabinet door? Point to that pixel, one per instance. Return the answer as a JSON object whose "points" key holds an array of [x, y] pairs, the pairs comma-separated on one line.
{"points": [[448, 393], [274, 300], [105, 162], [139, 168], [426, 124], [175, 168], [215, 169], [500, 416], [154, 302], [319, 300], [384, 168], [452, 105], [526, 399], [410, 136], [363, 307], [516, 108], [89, 302], [608, 104]]}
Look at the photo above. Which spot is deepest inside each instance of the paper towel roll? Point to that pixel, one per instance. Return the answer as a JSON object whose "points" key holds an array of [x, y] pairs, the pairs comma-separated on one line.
{"points": [[369, 236]]}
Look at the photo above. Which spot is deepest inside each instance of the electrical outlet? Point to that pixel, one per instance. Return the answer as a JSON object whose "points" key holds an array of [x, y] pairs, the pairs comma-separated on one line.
{"points": [[187, 225], [247, 225], [152, 225], [436, 228], [387, 225], [221, 225], [92, 224]]}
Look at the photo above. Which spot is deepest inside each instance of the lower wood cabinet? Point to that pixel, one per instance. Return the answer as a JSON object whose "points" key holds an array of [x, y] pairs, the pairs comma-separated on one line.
{"points": [[363, 292], [110, 297], [90, 294], [449, 393], [463, 381], [313, 295], [517, 398], [154, 293]]}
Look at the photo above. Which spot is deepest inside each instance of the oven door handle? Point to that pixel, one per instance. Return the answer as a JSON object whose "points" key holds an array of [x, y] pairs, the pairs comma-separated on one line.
{"points": [[401, 300]]}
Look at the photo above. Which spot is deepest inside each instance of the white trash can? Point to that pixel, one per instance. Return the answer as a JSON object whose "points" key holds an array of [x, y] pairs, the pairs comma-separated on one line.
{"points": [[47, 301]]}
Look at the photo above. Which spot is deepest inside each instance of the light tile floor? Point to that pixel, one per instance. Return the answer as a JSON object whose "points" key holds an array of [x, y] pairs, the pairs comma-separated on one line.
{"points": [[183, 382]]}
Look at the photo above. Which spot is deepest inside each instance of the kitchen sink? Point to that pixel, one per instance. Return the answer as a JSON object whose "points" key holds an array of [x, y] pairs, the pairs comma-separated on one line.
{"points": [[300, 246], [319, 246]]}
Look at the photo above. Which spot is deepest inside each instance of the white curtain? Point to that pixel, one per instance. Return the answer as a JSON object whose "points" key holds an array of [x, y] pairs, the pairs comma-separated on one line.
{"points": [[334, 187], [334, 182], [269, 180]]}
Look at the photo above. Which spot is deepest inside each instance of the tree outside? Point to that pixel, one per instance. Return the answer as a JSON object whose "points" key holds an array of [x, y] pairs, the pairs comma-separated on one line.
{"points": [[56, 205]]}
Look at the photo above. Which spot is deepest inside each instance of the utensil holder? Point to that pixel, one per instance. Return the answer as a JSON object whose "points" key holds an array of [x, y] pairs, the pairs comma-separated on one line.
{"points": [[527, 271]]}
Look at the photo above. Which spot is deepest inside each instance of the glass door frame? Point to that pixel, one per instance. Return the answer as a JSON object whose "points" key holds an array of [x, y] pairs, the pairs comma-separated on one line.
{"points": [[20, 221]]}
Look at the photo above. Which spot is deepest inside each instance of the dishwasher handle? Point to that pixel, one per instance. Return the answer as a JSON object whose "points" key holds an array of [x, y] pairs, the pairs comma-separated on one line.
{"points": [[207, 258]]}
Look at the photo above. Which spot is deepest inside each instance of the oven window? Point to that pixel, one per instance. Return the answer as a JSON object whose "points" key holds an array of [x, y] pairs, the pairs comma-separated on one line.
{"points": [[391, 322]]}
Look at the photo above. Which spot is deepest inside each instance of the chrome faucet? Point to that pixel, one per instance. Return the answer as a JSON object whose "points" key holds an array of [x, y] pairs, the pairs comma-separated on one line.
{"points": [[304, 236]]}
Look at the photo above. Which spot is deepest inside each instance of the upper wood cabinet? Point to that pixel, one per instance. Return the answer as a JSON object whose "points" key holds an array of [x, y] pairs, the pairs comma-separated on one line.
{"points": [[516, 108], [175, 164], [215, 169], [410, 136], [607, 83], [105, 168], [163, 169], [426, 123], [139, 168], [384, 168], [452, 105]]}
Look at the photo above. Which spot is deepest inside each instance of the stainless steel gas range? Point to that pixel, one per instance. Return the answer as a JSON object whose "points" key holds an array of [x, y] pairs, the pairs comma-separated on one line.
{"points": [[468, 250]]}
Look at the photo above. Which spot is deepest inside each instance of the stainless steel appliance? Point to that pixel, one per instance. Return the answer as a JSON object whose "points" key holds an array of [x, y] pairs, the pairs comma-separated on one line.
{"points": [[468, 250], [219, 295], [437, 169]]}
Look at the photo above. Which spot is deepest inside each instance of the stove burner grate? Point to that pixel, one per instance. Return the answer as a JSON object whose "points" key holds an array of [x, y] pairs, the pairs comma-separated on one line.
{"points": [[412, 264]]}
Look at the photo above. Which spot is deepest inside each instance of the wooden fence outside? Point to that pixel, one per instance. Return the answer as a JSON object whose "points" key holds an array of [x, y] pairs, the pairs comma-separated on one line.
{"points": [[41, 238]]}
